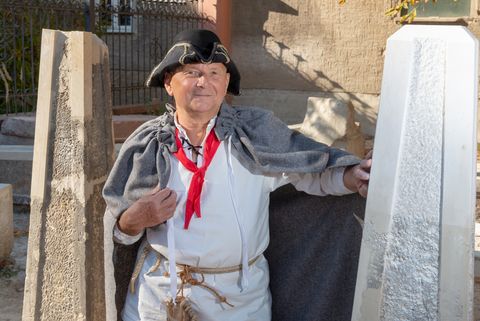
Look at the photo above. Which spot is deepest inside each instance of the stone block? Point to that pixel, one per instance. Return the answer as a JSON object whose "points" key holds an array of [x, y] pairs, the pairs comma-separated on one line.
{"points": [[73, 153], [14, 140], [16, 169], [20, 130], [332, 122], [16, 152], [325, 119], [20, 126], [6, 220], [416, 260]]}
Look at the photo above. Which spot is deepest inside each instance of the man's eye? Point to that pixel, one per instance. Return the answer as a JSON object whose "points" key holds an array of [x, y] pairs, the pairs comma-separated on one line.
{"points": [[192, 73]]}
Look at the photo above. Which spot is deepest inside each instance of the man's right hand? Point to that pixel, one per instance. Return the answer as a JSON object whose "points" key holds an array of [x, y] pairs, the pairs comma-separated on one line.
{"points": [[151, 209]]}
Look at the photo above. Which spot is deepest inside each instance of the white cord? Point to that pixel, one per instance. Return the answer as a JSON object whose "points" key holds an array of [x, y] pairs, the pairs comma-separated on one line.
{"points": [[231, 177], [171, 258]]}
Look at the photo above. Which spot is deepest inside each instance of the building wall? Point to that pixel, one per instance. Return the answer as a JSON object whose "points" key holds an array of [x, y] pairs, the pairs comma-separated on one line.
{"points": [[302, 48]]}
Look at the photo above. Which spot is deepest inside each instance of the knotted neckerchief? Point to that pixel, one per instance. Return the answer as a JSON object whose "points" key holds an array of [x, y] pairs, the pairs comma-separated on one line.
{"points": [[196, 184]]}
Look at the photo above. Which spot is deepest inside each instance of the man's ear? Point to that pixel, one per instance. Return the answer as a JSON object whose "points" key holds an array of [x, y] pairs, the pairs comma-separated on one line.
{"points": [[166, 83], [228, 82]]}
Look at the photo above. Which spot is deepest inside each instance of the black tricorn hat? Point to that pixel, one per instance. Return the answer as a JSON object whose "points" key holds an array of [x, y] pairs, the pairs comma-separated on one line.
{"points": [[195, 46]]}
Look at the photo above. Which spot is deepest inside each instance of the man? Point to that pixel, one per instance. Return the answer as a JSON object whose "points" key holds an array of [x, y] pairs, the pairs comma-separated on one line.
{"points": [[196, 182]]}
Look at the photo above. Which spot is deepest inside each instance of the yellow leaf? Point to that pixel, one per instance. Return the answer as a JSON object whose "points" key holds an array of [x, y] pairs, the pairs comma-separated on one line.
{"points": [[391, 12], [403, 18], [413, 14]]}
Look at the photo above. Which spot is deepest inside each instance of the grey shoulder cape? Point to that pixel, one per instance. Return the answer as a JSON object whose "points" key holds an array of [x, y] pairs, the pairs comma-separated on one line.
{"points": [[260, 141]]}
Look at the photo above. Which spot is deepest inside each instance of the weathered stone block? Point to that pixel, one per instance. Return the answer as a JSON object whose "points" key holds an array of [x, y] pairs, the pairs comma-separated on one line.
{"points": [[325, 119], [20, 126], [73, 152], [6, 220], [416, 259], [332, 122]]}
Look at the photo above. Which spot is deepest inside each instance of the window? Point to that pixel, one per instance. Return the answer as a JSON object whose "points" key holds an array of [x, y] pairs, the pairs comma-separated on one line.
{"points": [[116, 15], [447, 10]]}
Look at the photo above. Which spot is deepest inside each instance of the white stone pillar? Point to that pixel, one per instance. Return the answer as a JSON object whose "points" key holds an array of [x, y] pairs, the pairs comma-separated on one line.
{"points": [[73, 153], [416, 260], [6, 220]]}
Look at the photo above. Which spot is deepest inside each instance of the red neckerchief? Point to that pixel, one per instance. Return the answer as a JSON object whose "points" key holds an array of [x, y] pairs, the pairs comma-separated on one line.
{"points": [[195, 189]]}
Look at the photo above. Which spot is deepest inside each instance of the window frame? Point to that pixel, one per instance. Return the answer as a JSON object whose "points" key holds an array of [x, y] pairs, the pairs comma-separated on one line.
{"points": [[115, 26], [474, 15]]}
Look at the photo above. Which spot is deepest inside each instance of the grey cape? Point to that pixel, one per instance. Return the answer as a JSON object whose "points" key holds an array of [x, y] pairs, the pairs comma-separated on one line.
{"points": [[261, 142]]}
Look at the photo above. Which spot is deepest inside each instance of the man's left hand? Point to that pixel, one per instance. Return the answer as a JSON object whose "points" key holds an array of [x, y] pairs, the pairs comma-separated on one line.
{"points": [[356, 177]]}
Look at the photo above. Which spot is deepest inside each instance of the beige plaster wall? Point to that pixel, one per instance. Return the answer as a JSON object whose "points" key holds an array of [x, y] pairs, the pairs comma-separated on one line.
{"points": [[305, 48]]}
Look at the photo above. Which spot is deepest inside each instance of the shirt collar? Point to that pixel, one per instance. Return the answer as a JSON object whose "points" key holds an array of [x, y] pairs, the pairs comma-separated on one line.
{"points": [[183, 133]]}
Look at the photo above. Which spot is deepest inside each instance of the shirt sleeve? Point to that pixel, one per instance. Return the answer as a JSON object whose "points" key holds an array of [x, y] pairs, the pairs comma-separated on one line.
{"points": [[122, 238], [328, 182]]}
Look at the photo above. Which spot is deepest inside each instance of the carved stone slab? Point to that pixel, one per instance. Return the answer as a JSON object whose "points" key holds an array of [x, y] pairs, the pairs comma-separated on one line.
{"points": [[416, 260]]}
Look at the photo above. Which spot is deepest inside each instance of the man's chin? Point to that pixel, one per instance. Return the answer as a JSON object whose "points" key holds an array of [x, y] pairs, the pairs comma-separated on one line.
{"points": [[205, 107]]}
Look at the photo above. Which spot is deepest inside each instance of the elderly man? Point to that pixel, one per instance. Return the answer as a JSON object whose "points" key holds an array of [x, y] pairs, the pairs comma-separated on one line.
{"points": [[196, 182]]}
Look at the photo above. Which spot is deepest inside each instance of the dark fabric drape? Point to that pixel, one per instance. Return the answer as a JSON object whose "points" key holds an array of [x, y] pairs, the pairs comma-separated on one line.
{"points": [[313, 255]]}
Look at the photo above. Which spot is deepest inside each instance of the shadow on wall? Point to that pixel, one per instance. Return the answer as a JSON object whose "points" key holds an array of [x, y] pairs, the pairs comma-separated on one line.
{"points": [[262, 56]]}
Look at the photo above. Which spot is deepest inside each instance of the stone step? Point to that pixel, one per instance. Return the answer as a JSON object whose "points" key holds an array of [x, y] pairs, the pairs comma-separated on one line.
{"points": [[20, 130], [16, 169]]}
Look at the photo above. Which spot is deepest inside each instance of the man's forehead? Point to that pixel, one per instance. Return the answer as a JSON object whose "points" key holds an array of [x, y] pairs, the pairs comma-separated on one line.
{"points": [[200, 66]]}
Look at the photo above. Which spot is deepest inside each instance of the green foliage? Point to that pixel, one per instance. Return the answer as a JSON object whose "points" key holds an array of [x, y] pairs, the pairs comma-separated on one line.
{"points": [[21, 36]]}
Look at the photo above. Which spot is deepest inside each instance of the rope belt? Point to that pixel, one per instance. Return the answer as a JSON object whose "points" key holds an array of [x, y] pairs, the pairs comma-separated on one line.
{"points": [[185, 273]]}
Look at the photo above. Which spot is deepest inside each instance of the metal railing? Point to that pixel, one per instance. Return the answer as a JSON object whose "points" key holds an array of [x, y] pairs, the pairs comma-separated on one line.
{"points": [[137, 33]]}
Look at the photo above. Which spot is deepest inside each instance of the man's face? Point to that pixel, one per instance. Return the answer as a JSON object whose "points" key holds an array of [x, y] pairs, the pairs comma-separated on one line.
{"points": [[198, 89]]}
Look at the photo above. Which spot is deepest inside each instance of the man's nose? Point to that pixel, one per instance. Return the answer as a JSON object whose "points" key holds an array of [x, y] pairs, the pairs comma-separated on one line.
{"points": [[202, 80]]}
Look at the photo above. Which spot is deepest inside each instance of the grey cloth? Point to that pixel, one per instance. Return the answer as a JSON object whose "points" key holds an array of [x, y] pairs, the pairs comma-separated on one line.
{"points": [[261, 142], [313, 255]]}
